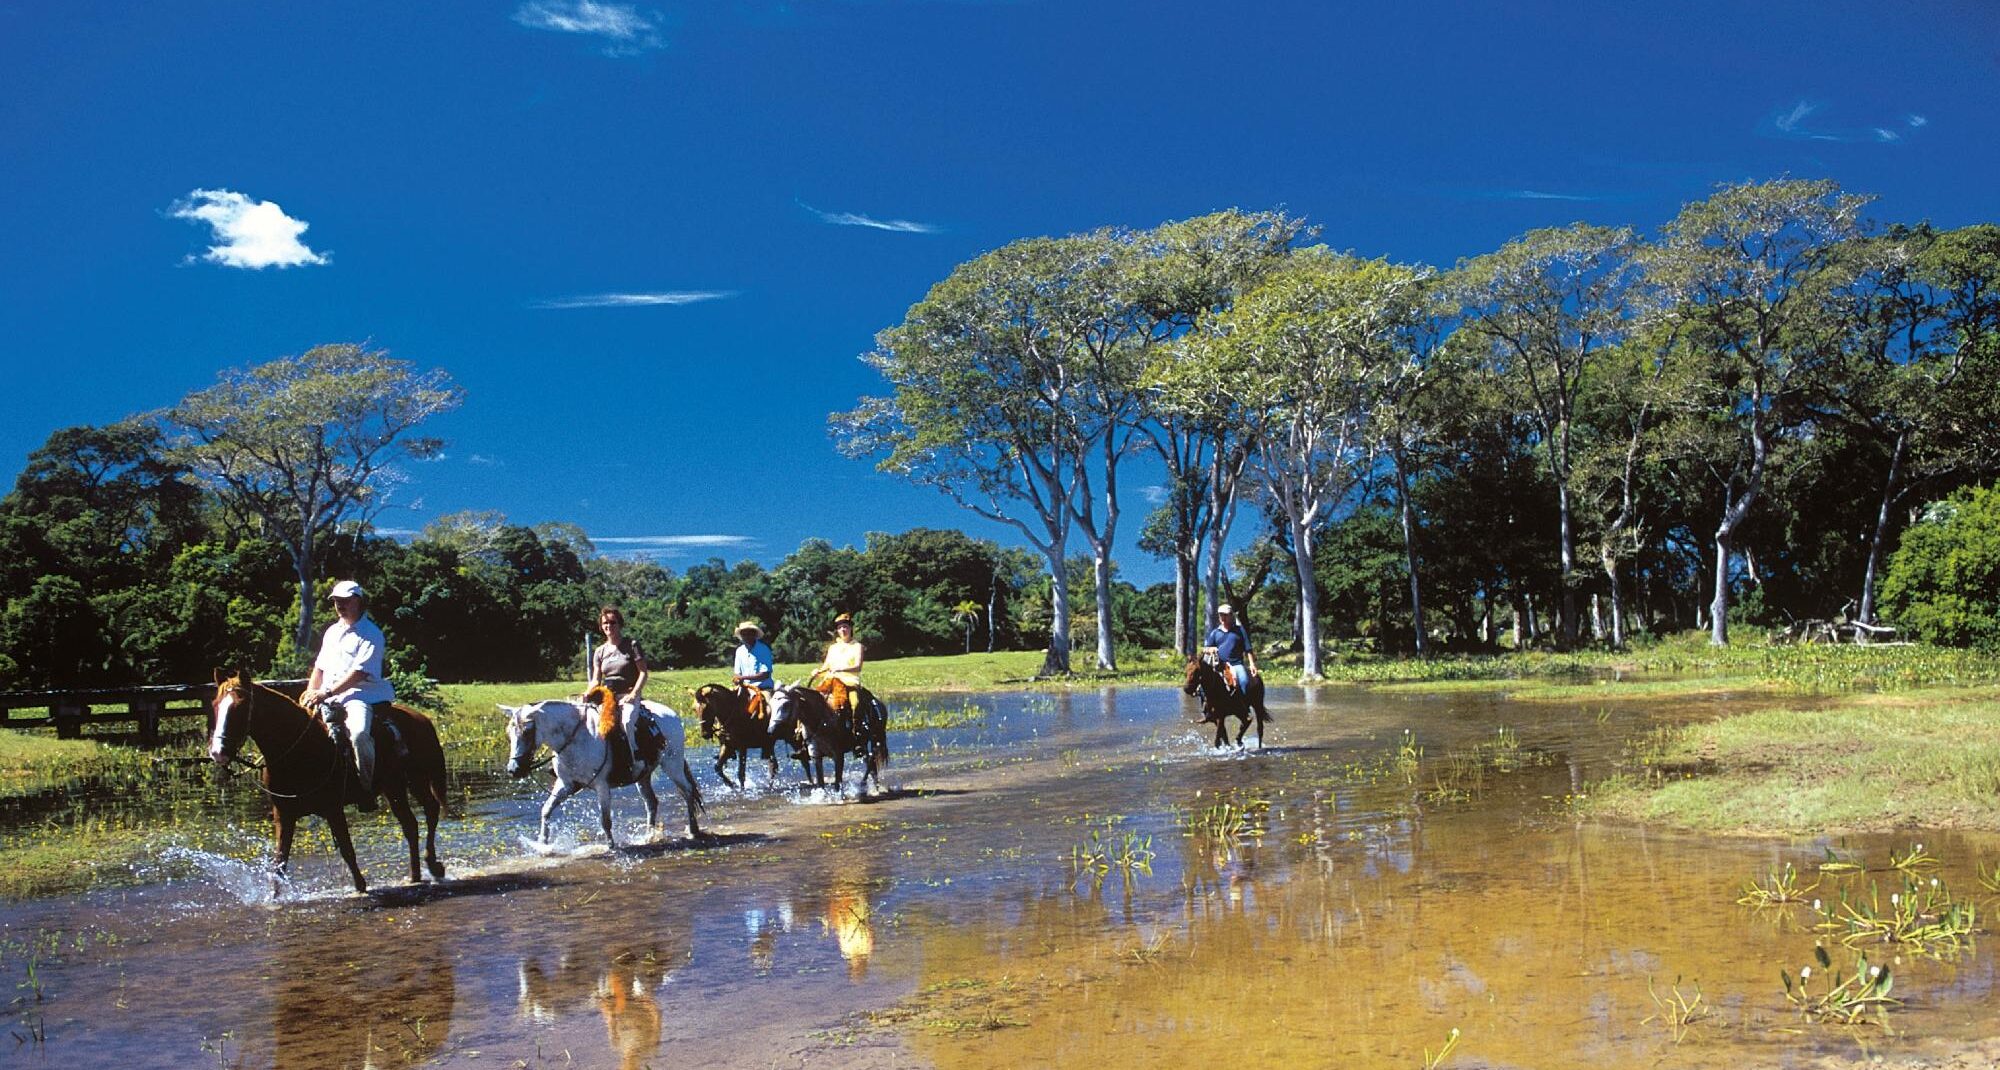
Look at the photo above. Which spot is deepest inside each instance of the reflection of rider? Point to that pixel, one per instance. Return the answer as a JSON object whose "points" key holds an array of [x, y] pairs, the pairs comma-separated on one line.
{"points": [[620, 666], [753, 677], [1232, 646], [348, 673], [840, 673]]}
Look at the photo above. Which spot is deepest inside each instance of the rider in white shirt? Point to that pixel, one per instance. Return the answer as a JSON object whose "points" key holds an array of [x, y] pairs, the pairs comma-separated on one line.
{"points": [[349, 672]]}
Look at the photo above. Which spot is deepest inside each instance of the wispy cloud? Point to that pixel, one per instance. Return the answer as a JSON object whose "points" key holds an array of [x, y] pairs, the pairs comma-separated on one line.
{"points": [[1799, 122], [249, 233], [667, 546], [624, 29], [484, 461], [635, 300], [856, 219], [1153, 493], [1544, 195]]}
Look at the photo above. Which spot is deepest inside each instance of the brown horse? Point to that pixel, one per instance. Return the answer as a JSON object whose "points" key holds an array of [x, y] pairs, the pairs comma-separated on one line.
{"points": [[726, 718], [829, 734], [1219, 702], [305, 773]]}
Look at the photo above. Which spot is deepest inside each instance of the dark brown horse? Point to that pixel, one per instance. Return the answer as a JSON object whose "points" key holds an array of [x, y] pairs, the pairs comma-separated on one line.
{"points": [[825, 733], [726, 718], [1219, 701], [305, 773]]}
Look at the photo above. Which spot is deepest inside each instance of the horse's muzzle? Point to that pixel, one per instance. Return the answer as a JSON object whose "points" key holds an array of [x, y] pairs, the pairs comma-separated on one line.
{"points": [[517, 770]]}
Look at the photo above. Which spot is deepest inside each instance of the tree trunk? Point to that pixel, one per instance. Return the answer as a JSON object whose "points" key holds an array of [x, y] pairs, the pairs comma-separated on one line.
{"points": [[1718, 606], [1302, 566], [1410, 555], [1867, 612], [302, 563], [1617, 601], [1057, 661], [1184, 593], [1107, 653], [1566, 626], [992, 603]]}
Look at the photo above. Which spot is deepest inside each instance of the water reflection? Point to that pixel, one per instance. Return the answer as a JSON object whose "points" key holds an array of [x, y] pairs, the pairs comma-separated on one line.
{"points": [[376, 1005]]}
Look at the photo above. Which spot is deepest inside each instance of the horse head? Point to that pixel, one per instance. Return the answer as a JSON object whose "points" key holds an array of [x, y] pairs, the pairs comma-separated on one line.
{"points": [[229, 714], [706, 698], [520, 739], [1193, 685]]}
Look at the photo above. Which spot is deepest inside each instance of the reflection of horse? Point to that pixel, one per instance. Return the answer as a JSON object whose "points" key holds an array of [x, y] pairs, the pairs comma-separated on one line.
{"points": [[621, 984], [305, 772], [583, 760], [726, 718], [1219, 701], [826, 734]]}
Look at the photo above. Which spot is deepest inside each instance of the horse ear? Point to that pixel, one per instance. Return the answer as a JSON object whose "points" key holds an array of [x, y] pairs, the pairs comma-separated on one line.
{"points": [[218, 676]]}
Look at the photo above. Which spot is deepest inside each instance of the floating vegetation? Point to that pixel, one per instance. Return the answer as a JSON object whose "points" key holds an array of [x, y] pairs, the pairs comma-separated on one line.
{"points": [[1676, 1010], [1226, 819], [1409, 755], [1833, 863], [1989, 878], [1923, 917], [1432, 1062], [921, 716], [1839, 997], [1130, 855], [1913, 860], [1782, 886]]}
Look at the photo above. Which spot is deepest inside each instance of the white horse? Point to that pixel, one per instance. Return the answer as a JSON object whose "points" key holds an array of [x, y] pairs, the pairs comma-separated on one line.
{"points": [[582, 760]]}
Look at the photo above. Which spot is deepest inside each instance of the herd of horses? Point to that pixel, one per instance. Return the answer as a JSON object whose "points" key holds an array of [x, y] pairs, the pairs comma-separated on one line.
{"points": [[304, 770]]}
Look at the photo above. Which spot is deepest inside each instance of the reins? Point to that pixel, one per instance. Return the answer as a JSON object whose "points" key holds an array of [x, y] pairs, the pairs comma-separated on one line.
{"points": [[333, 769]]}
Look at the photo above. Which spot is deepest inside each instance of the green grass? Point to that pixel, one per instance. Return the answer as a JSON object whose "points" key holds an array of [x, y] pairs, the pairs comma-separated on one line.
{"points": [[1862, 765], [31, 763]]}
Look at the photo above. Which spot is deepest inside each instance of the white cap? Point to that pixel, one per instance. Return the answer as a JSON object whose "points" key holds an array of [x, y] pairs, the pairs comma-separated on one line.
{"points": [[347, 589], [1225, 608]]}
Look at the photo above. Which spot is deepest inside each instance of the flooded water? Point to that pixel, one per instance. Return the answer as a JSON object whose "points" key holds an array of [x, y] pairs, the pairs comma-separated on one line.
{"points": [[1348, 897]]}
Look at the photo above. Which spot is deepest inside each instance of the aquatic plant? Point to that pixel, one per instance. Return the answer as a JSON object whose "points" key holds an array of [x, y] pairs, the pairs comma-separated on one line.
{"points": [[1833, 863], [1923, 917], [1988, 878], [1782, 886], [1840, 997], [1096, 857], [1226, 819], [1408, 755], [1916, 858], [1432, 1062], [1676, 1010]]}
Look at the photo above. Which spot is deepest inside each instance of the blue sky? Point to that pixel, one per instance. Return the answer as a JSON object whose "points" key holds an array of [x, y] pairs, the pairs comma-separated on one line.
{"points": [[478, 181]]}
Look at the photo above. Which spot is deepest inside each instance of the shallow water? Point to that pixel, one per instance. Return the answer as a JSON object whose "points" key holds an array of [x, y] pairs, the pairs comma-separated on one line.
{"points": [[1364, 910]]}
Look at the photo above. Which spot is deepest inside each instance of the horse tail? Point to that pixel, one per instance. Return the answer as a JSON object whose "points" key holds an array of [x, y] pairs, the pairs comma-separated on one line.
{"points": [[879, 735], [607, 709], [427, 775], [693, 786], [1257, 703]]}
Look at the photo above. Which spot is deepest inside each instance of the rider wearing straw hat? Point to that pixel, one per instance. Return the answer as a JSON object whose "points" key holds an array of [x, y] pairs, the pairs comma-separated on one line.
{"points": [[840, 672], [753, 672]]}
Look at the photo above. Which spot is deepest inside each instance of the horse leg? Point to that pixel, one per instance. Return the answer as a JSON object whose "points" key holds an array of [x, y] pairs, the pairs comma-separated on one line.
{"points": [[557, 794], [399, 804], [431, 808], [839, 770], [336, 821], [721, 764], [1221, 731], [281, 862], [652, 803], [691, 794], [604, 810]]}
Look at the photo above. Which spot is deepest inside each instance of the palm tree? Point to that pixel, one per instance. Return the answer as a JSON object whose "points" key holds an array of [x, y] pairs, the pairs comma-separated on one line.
{"points": [[966, 612]]}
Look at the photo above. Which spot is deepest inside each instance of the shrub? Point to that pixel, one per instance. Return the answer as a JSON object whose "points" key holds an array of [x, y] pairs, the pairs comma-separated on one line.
{"points": [[1943, 583]]}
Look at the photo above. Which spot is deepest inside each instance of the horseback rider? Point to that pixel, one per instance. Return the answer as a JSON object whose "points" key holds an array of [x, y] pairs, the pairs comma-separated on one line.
{"points": [[348, 675], [753, 677], [1232, 648], [619, 666], [839, 673]]}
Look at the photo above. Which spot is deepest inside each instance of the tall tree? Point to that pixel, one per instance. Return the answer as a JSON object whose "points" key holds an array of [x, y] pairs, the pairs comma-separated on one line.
{"points": [[1548, 306], [984, 405], [1750, 282], [1306, 352], [1191, 272], [299, 445]]}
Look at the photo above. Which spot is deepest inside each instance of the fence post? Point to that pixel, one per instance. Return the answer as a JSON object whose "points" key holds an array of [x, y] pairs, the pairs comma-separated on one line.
{"points": [[148, 711], [68, 715]]}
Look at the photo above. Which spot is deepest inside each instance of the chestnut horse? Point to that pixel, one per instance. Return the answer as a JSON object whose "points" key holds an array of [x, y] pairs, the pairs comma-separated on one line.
{"points": [[826, 734], [1219, 701], [726, 718], [305, 773]]}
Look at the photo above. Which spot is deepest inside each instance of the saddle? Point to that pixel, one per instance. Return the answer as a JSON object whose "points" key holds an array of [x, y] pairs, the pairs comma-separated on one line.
{"points": [[625, 765], [389, 746]]}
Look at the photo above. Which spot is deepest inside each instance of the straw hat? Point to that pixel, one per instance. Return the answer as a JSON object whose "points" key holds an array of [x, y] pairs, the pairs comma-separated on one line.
{"points": [[749, 626]]}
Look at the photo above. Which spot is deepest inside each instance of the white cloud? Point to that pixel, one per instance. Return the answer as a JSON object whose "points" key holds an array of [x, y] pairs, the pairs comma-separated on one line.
{"points": [[1789, 122], [1883, 133], [856, 219], [1918, 120], [248, 233], [624, 28], [1153, 493], [1540, 195], [483, 460], [1793, 123], [636, 300], [672, 541]]}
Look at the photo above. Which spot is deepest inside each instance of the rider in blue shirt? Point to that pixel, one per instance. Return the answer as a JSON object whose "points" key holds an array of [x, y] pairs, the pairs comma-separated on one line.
{"points": [[1232, 646], [753, 672]]}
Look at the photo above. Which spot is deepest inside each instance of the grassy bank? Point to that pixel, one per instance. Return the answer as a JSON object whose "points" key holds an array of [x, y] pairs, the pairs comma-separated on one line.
{"points": [[1877, 762]]}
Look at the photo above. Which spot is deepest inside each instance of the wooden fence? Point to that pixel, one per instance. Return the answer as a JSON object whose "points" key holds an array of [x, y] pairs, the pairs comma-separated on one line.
{"points": [[148, 708]]}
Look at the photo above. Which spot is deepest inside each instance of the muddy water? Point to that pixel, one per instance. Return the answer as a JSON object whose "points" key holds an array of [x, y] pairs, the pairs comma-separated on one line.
{"points": [[1361, 909]]}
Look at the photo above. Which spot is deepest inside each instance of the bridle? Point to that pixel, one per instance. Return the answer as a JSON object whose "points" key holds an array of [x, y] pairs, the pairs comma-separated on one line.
{"points": [[246, 700]]}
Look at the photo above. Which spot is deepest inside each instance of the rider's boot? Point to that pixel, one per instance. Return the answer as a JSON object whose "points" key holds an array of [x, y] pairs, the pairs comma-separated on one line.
{"points": [[364, 769]]}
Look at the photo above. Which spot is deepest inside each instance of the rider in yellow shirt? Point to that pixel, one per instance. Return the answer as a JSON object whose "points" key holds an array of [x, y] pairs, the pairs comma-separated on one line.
{"points": [[840, 673]]}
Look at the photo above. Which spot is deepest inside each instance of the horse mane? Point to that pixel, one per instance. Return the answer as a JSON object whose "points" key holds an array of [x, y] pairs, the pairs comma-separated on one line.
{"points": [[607, 708]]}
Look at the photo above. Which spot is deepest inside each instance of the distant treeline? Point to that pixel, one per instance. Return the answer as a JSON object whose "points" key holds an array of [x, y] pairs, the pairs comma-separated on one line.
{"points": [[116, 569]]}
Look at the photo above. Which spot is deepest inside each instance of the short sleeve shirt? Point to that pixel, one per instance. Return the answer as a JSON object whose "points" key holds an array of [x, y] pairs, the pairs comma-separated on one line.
{"points": [[754, 660], [1229, 643], [347, 647], [617, 664]]}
